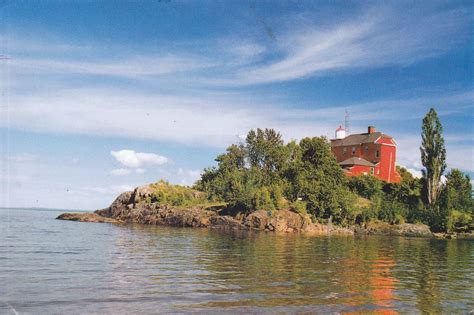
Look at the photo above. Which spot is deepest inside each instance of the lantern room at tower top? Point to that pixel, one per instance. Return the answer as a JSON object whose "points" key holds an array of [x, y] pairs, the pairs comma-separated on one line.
{"points": [[371, 153]]}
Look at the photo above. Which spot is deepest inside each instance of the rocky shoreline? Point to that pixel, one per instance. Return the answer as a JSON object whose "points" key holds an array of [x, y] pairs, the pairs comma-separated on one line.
{"points": [[135, 207]]}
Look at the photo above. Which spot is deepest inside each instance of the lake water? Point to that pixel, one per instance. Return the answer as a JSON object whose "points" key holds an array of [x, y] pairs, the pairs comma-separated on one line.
{"points": [[49, 266]]}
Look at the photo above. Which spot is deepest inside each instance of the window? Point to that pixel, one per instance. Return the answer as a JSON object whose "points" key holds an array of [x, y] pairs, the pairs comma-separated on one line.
{"points": [[366, 149], [344, 150], [377, 153], [371, 171], [353, 150]]}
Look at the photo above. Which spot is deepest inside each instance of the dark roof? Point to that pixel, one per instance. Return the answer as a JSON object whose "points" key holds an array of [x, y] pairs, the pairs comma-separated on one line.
{"points": [[356, 161], [357, 139]]}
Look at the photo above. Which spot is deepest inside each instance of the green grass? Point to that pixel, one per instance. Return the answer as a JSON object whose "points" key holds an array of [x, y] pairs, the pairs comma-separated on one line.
{"points": [[181, 196]]}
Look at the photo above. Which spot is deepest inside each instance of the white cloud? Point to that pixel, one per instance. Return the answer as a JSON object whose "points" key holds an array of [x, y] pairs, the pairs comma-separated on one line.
{"points": [[211, 119], [458, 155], [199, 119], [188, 177], [142, 67], [416, 173], [23, 157], [140, 171], [382, 36], [120, 172], [110, 190], [199, 113], [130, 158]]}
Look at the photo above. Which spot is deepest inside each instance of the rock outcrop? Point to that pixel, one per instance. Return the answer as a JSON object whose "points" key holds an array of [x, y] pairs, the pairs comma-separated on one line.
{"points": [[139, 206], [278, 221], [86, 217], [382, 228]]}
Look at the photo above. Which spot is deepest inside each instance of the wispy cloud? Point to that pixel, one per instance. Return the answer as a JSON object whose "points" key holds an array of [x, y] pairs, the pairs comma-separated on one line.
{"points": [[373, 40], [203, 118], [134, 68], [378, 37], [215, 120]]}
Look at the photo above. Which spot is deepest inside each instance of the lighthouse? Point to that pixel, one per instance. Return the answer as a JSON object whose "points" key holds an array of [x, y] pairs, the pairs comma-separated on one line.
{"points": [[340, 133]]}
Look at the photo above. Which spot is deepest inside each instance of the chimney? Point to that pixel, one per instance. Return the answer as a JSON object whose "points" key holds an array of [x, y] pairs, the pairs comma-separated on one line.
{"points": [[371, 129]]}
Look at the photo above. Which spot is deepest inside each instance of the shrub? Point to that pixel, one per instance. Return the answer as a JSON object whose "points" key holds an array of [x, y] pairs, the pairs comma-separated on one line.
{"points": [[263, 200], [365, 186], [298, 206], [392, 211], [459, 221], [176, 195]]}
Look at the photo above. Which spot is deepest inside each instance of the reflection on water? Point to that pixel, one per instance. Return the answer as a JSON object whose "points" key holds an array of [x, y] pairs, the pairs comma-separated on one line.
{"points": [[50, 266]]}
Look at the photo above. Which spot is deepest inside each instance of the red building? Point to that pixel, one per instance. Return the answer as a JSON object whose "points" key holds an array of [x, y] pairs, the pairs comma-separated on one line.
{"points": [[371, 153]]}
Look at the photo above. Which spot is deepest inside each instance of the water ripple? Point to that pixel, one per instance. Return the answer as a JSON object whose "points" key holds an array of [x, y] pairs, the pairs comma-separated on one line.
{"points": [[68, 267]]}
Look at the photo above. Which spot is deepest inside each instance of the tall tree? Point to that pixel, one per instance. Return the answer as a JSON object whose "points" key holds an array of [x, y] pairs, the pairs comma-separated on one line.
{"points": [[319, 180], [433, 156]]}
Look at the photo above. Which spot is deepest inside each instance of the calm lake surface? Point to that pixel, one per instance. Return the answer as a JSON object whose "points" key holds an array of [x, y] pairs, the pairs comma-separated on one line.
{"points": [[49, 266]]}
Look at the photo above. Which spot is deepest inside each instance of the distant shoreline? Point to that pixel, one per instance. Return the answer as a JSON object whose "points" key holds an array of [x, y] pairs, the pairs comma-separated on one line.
{"points": [[42, 209]]}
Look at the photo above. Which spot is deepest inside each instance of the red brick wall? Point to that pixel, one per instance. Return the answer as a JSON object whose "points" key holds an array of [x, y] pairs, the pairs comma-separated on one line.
{"points": [[386, 168], [357, 170], [360, 151], [387, 165]]}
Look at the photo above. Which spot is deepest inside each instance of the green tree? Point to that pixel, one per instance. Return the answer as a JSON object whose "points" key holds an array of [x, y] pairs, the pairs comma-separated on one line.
{"points": [[368, 187], [266, 151], [319, 180], [246, 175], [458, 190], [433, 156], [408, 195]]}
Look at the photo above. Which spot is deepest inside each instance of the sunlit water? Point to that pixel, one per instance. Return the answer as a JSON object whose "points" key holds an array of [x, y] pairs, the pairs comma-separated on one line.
{"points": [[49, 266]]}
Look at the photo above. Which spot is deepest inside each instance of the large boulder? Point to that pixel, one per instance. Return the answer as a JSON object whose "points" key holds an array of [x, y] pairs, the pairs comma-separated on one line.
{"points": [[328, 229], [142, 194], [257, 220], [157, 214], [279, 221], [226, 223], [406, 229], [193, 217], [117, 206]]}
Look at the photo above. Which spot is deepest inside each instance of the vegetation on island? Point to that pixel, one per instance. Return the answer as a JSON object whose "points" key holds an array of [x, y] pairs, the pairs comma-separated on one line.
{"points": [[179, 196], [265, 173]]}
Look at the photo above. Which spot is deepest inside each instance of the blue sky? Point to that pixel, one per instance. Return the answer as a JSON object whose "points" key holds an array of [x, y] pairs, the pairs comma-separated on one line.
{"points": [[99, 97]]}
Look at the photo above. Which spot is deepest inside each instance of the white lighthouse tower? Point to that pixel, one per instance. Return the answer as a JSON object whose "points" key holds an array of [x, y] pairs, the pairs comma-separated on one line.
{"points": [[340, 133]]}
